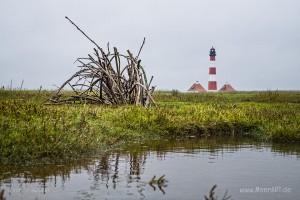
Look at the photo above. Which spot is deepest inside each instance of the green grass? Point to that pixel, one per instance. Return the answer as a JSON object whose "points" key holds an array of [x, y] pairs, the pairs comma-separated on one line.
{"points": [[30, 130], [231, 97]]}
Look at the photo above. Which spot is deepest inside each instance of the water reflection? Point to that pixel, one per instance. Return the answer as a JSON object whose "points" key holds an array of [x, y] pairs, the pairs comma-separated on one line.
{"points": [[123, 170]]}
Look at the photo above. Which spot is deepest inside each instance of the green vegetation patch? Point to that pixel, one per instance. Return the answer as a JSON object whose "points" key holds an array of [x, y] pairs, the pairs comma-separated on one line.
{"points": [[31, 130]]}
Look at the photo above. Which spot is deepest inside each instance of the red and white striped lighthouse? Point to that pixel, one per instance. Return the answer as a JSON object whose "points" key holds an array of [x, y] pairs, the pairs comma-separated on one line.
{"points": [[212, 82]]}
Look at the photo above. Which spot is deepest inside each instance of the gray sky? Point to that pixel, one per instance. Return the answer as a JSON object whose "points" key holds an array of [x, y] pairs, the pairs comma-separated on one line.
{"points": [[257, 41]]}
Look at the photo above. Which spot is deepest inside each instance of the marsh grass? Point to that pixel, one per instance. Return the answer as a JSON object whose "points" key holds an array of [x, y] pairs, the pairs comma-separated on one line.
{"points": [[30, 130], [233, 97]]}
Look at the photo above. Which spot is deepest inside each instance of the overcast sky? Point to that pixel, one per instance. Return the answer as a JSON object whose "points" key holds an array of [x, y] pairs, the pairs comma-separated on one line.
{"points": [[257, 41]]}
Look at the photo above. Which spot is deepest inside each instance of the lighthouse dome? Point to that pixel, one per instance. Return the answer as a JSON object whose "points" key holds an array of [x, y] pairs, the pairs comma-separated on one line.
{"points": [[212, 52]]}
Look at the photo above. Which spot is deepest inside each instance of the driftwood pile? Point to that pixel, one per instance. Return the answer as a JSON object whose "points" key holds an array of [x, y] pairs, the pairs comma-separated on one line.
{"points": [[107, 77]]}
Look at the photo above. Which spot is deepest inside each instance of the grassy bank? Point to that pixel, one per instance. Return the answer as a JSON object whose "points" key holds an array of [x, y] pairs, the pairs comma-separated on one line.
{"points": [[30, 130]]}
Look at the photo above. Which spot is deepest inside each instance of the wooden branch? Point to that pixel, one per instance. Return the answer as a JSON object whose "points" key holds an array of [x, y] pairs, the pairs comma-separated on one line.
{"points": [[144, 40], [102, 79], [83, 33]]}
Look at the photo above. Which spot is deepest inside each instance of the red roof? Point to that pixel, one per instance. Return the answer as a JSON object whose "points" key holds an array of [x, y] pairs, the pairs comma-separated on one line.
{"points": [[227, 88], [197, 87]]}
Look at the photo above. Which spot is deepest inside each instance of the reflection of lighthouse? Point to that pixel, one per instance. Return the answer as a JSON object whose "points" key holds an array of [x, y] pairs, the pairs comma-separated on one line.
{"points": [[212, 83]]}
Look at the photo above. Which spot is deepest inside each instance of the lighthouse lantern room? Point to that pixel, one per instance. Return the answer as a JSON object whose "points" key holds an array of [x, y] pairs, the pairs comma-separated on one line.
{"points": [[212, 82]]}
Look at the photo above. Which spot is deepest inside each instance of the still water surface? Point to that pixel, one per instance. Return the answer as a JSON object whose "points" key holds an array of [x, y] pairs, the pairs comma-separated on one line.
{"points": [[248, 170]]}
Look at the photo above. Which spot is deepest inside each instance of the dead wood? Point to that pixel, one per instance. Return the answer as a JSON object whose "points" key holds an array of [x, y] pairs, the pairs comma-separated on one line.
{"points": [[106, 78]]}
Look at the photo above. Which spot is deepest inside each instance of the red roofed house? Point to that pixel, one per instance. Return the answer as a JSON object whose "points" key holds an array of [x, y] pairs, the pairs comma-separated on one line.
{"points": [[196, 87], [227, 88]]}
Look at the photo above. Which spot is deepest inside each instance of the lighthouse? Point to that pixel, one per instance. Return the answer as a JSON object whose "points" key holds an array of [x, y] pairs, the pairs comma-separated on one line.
{"points": [[212, 71]]}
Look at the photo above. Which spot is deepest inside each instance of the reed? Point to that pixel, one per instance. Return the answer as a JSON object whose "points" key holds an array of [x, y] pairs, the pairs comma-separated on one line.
{"points": [[212, 195], [2, 195]]}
